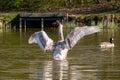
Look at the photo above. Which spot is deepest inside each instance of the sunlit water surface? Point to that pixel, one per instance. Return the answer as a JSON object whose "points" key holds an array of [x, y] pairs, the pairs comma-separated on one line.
{"points": [[21, 61]]}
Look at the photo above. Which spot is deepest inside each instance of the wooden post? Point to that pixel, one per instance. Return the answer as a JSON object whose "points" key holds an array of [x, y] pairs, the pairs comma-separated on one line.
{"points": [[1, 24], [67, 17], [20, 23], [42, 24], [10, 26], [25, 24]]}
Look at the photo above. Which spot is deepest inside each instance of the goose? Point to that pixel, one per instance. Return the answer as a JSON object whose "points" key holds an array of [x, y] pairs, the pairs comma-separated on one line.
{"points": [[109, 44], [60, 49]]}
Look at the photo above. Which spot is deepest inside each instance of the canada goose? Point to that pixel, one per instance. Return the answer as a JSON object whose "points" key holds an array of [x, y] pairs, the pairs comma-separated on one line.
{"points": [[107, 44], [60, 48]]}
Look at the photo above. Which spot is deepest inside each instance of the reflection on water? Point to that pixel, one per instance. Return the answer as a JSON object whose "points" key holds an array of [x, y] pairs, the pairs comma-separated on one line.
{"points": [[50, 70], [86, 61]]}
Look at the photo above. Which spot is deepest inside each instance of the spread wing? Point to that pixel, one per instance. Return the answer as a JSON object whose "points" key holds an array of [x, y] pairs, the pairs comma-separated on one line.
{"points": [[78, 32], [41, 38]]}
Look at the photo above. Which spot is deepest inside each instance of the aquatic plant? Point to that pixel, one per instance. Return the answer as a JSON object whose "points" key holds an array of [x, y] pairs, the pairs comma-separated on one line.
{"points": [[104, 20], [6, 18], [69, 24], [111, 25]]}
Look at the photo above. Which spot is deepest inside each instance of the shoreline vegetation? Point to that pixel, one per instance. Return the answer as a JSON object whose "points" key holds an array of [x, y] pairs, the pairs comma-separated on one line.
{"points": [[94, 12], [103, 20]]}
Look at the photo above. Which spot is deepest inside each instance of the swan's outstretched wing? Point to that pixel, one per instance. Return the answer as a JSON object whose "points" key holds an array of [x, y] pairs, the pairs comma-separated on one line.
{"points": [[42, 39], [79, 32]]}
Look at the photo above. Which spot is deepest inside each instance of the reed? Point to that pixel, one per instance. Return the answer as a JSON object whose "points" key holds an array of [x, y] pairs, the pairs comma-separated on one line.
{"points": [[111, 25], [70, 24]]}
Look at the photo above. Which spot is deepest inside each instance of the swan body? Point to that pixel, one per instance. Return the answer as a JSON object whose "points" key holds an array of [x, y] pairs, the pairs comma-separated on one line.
{"points": [[61, 48], [109, 44]]}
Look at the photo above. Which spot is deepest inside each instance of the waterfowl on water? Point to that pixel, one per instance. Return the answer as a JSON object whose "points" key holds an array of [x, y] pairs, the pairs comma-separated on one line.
{"points": [[109, 44], [61, 48]]}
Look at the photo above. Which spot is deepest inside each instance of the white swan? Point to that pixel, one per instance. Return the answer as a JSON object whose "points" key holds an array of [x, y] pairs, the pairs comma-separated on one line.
{"points": [[60, 48]]}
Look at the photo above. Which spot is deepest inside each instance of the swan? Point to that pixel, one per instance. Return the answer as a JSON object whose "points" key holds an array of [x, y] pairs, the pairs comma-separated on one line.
{"points": [[60, 49], [109, 44]]}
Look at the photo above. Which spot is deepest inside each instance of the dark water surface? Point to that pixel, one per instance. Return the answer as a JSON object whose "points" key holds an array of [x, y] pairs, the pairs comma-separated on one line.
{"points": [[21, 61]]}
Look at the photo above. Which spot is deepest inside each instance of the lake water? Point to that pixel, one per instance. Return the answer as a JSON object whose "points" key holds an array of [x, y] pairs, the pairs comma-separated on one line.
{"points": [[21, 61]]}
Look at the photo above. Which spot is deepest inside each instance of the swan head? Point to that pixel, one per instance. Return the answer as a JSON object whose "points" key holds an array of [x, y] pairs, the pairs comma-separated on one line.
{"points": [[59, 23]]}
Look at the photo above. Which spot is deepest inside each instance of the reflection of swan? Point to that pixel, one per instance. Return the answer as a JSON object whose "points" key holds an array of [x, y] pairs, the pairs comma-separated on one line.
{"points": [[61, 47], [109, 44], [55, 70]]}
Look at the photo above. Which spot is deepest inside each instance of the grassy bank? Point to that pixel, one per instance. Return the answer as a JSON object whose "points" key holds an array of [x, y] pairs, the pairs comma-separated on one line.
{"points": [[104, 20], [76, 19], [6, 18]]}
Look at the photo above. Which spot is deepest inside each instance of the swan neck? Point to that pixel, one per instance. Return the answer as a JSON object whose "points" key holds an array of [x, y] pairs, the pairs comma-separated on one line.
{"points": [[60, 32]]}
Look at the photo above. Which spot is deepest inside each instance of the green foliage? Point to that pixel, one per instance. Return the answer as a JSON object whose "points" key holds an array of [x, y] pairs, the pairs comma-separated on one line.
{"points": [[39, 5], [105, 21], [70, 24], [10, 4], [7, 17]]}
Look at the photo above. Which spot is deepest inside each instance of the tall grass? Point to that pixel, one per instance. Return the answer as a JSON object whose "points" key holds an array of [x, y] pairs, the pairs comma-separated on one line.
{"points": [[110, 25], [7, 17], [70, 24], [105, 21]]}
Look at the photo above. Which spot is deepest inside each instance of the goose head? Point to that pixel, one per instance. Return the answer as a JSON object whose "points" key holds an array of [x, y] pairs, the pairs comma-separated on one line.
{"points": [[111, 40]]}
